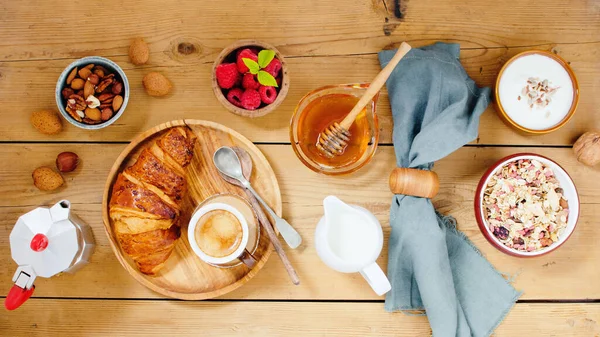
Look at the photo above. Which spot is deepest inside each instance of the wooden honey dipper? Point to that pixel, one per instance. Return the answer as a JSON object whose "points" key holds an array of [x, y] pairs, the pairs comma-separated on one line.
{"points": [[333, 140]]}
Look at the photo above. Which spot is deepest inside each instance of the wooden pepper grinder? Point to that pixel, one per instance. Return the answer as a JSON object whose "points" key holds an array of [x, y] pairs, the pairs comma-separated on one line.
{"points": [[415, 182]]}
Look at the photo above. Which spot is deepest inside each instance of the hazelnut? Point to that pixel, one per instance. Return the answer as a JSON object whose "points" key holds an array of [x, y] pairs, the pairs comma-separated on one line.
{"points": [[139, 51], [66, 92], [107, 113], [156, 84], [77, 84], [117, 88], [94, 79], [46, 179], [67, 161], [93, 114]]}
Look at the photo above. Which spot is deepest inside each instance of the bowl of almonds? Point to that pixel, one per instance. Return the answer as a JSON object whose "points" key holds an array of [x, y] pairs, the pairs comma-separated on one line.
{"points": [[92, 92]]}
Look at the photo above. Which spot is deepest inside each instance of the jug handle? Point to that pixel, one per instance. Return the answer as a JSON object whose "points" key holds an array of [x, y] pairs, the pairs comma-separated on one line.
{"points": [[415, 182], [60, 211], [376, 278]]}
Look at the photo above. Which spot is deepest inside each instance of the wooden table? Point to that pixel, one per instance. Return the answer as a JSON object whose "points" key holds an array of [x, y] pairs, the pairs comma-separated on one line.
{"points": [[325, 42]]}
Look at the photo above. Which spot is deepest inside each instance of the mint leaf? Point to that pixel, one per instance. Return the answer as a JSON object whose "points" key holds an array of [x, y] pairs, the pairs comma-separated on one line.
{"points": [[265, 57], [252, 65], [266, 79]]}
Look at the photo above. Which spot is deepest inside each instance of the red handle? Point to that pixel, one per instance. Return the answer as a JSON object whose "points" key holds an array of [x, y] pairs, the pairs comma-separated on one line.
{"points": [[17, 296]]}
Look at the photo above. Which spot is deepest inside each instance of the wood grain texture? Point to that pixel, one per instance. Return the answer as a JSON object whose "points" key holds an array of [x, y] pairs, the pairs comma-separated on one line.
{"points": [[134, 318], [563, 274], [184, 275], [192, 96]]}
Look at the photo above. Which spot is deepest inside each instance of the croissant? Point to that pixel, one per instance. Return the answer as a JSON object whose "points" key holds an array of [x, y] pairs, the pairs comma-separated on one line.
{"points": [[145, 200]]}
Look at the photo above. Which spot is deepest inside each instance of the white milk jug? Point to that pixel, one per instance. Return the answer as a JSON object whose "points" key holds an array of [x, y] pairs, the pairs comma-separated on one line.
{"points": [[349, 239]]}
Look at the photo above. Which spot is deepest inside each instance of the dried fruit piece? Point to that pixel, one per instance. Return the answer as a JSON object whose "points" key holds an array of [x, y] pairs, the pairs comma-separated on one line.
{"points": [[67, 161], [46, 179], [93, 114], [71, 76], [106, 114], [117, 102], [587, 148], [139, 53], [156, 84], [46, 122], [77, 84]]}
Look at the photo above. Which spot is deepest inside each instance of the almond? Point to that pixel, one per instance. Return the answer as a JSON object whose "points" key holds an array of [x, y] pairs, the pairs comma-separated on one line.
{"points": [[84, 73], [46, 122], [46, 179], [93, 114], [139, 51], [117, 102], [71, 76], [156, 84], [88, 89], [77, 84]]}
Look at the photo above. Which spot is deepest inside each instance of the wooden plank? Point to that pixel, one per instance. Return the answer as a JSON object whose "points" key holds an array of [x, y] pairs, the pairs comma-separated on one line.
{"points": [[27, 86], [160, 318], [563, 274], [313, 27]]}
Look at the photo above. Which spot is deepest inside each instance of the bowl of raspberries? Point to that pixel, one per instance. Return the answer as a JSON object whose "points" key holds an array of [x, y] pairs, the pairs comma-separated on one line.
{"points": [[250, 78]]}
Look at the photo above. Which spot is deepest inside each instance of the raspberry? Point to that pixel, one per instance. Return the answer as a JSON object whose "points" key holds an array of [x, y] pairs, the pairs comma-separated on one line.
{"points": [[267, 94], [250, 99], [252, 49], [227, 75], [273, 68], [249, 82], [234, 96], [247, 54]]}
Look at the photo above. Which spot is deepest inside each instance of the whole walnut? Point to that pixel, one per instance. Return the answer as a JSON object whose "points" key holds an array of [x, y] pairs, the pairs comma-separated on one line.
{"points": [[587, 148]]}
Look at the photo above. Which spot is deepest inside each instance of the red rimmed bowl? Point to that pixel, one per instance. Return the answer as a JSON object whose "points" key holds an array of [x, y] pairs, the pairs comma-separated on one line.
{"points": [[566, 183]]}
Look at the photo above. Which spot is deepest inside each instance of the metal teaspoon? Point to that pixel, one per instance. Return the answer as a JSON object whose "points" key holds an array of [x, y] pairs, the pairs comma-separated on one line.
{"points": [[228, 163]]}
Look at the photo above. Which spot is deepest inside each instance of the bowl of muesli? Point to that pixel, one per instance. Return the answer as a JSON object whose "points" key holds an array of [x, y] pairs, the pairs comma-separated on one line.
{"points": [[526, 205]]}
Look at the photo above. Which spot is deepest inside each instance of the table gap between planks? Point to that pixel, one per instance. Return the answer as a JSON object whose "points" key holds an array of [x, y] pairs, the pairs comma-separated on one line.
{"points": [[325, 42]]}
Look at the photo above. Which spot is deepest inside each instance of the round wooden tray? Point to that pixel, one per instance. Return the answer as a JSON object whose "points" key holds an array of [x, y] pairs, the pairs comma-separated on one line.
{"points": [[184, 275]]}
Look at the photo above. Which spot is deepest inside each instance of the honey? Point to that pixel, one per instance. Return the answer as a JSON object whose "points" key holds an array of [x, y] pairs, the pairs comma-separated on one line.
{"points": [[322, 112]]}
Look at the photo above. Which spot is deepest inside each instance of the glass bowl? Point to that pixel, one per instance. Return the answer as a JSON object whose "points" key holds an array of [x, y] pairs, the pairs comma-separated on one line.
{"points": [[371, 133]]}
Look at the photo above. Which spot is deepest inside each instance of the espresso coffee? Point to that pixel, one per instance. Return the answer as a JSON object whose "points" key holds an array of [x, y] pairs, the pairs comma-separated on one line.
{"points": [[218, 233]]}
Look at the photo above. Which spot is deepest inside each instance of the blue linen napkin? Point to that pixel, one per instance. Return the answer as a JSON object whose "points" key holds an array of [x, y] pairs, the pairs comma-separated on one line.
{"points": [[432, 265]]}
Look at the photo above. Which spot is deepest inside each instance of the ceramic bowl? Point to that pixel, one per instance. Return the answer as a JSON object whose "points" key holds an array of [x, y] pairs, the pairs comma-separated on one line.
{"points": [[509, 121], [566, 183], [229, 55], [97, 60]]}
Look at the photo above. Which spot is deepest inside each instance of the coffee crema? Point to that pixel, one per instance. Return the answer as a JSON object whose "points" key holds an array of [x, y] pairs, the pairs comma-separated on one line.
{"points": [[218, 233]]}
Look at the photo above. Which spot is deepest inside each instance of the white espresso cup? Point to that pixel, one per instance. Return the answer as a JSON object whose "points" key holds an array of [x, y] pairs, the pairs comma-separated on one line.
{"points": [[218, 234]]}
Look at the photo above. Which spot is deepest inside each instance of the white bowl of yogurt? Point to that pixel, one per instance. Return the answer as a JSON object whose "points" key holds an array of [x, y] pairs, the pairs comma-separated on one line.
{"points": [[537, 92]]}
